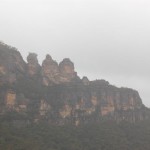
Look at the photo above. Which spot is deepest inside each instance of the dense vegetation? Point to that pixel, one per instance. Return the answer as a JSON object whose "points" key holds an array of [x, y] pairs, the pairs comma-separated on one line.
{"points": [[103, 136]]}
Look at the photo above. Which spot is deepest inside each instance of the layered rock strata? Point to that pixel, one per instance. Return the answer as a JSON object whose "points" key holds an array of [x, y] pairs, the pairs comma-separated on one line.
{"points": [[54, 93]]}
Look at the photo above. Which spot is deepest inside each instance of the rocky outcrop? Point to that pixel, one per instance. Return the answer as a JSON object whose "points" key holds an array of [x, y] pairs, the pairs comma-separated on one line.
{"points": [[85, 81], [12, 65], [55, 94], [67, 72], [50, 71], [44, 108], [33, 67], [10, 99]]}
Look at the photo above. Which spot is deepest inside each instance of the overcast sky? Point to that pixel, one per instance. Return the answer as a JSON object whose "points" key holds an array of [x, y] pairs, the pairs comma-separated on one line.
{"points": [[106, 39]]}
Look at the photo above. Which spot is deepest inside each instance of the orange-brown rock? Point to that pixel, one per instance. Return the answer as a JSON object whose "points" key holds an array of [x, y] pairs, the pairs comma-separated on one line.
{"points": [[50, 71], [65, 111], [10, 99], [67, 72]]}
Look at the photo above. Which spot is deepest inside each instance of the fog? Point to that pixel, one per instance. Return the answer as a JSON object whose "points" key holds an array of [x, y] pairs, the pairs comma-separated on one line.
{"points": [[105, 39]]}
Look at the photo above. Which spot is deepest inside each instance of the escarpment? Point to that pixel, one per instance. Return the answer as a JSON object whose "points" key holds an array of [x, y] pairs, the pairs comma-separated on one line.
{"points": [[54, 93]]}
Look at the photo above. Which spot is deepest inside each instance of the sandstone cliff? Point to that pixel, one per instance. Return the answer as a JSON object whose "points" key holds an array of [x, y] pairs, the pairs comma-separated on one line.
{"points": [[12, 66], [54, 93]]}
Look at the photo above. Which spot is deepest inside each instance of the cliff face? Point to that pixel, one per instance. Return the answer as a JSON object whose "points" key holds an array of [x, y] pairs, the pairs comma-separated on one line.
{"points": [[54, 93], [12, 65]]}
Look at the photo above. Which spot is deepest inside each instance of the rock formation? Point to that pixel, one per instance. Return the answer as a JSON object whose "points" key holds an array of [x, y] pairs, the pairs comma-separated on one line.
{"points": [[85, 80], [33, 67], [54, 93], [12, 65], [50, 71], [67, 72]]}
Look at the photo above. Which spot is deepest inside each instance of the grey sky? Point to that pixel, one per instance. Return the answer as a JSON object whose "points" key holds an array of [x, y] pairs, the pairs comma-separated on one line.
{"points": [[107, 39]]}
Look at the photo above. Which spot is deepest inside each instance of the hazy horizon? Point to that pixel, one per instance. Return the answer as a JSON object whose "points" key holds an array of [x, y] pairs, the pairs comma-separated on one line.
{"points": [[105, 39]]}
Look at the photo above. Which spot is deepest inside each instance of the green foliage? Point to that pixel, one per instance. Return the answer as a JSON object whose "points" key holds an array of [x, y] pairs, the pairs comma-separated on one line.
{"points": [[103, 136]]}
